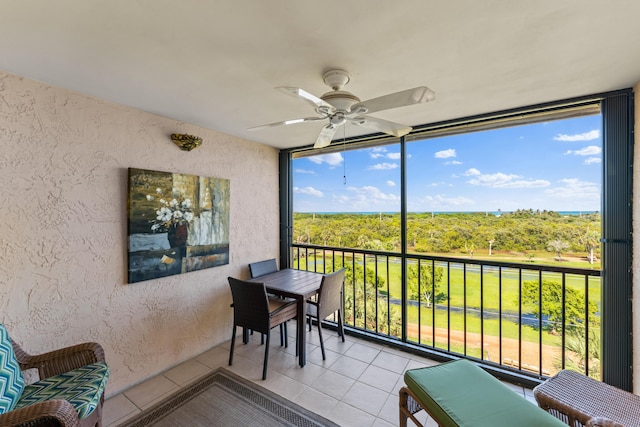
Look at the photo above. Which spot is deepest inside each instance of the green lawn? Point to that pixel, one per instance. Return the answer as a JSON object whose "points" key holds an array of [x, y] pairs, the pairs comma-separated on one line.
{"points": [[493, 298]]}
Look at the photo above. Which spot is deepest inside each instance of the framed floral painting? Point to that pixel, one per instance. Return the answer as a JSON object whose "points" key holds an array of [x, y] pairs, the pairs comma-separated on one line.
{"points": [[177, 223]]}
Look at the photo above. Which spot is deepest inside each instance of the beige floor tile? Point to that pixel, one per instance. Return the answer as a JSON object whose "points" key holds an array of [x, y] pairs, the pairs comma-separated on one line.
{"points": [[348, 366], [391, 362], [347, 415], [380, 378], [390, 411], [335, 344], [187, 372], [379, 422], [356, 386], [284, 386], [366, 398], [316, 401], [214, 358], [333, 384], [147, 393], [117, 409], [306, 375], [363, 352], [247, 368]]}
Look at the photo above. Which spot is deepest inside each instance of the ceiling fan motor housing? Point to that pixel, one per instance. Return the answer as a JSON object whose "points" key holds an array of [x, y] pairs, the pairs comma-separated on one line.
{"points": [[340, 99]]}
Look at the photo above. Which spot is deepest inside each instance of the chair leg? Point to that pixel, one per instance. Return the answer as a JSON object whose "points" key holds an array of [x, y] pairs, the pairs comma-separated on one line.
{"points": [[321, 342], [309, 321], [286, 337], [340, 325], [266, 357], [233, 343], [261, 339], [245, 335], [281, 334]]}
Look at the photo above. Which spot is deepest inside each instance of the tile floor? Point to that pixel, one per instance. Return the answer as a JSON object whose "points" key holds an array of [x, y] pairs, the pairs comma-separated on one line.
{"points": [[357, 384]]}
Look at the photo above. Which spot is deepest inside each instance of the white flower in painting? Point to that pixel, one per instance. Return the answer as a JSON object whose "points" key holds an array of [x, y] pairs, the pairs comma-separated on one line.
{"points": [[171, 213], [164, 214]]}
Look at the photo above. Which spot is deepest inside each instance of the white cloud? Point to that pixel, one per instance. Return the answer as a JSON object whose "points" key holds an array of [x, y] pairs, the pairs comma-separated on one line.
{"points": [[586, 136], [503, 180], [445, 154], [453, 162], [393, 156], [332, 159], [383, 166], [309, 191], [368, 198], [305, 171], [472, 172], [591, 150], [573, 188], [377, 152], [592, 160], [391, 183]]}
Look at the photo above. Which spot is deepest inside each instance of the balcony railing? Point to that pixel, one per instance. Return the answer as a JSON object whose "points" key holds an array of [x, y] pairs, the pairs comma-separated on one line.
{"points": [[525, 318]]}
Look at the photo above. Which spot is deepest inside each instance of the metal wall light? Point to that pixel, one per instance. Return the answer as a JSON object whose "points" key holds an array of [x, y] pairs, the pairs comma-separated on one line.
{"points": [[186, 142]]}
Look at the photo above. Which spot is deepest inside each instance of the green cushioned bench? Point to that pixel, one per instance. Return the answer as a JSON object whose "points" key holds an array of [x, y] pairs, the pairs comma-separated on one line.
{"points": [[459, 393]]}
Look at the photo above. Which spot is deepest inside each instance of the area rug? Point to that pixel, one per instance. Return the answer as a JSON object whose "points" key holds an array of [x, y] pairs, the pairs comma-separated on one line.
{"points": [[223, 398]]}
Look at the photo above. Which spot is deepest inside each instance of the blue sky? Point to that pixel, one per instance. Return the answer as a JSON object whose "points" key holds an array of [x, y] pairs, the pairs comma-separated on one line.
{"points": [[554, 165]]}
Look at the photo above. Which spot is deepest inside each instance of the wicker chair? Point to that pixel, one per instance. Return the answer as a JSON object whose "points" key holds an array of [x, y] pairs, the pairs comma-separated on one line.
{"points": [[55, 364], [253, 309], [261, 268], [258, 269], [579, 401], [327, 302]]}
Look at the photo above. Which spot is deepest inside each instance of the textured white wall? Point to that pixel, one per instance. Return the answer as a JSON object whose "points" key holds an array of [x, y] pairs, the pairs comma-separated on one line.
{"points": [[63, 248]]}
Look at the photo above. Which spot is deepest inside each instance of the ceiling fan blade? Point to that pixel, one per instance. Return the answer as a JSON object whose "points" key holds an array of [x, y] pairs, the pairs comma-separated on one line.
{"points": [[391, 128], [403, 98], [288, 122], [307, 97], [325, 137]]}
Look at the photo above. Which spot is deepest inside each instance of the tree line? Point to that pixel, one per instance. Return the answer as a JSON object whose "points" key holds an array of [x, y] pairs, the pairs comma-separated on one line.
{"points": [[523, 231]]}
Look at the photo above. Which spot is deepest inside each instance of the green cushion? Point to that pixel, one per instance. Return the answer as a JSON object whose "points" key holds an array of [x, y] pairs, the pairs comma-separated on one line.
{"points": [[81, 387], [11, 379], [459, 394]]}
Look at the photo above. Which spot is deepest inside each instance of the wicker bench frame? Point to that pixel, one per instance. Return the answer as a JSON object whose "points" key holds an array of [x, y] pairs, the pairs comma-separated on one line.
{"points": [[581, 401]]}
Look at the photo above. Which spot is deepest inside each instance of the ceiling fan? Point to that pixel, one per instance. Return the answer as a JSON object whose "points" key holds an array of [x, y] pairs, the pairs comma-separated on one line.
{"points": [[339, 107]]}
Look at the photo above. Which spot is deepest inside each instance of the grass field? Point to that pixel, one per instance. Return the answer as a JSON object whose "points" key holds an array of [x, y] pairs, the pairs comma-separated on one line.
{"points": [[468, 291]]}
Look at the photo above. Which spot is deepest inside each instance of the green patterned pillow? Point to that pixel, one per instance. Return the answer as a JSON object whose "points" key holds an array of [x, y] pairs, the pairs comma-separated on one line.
{"points": [[82, 387], [11, 379]]}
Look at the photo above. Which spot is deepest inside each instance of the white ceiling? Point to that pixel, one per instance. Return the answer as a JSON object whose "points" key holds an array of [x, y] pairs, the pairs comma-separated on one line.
{"points": [[216, 63]]}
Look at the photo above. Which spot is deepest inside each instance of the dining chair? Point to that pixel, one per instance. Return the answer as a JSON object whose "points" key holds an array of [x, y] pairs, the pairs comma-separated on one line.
{"points": [[261, 268], [258, 269], [253, 309], [327, 301]]}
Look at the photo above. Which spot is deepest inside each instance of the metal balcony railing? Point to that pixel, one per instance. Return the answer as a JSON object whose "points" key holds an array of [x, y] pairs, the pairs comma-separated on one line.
{"points": [[529, 319]]}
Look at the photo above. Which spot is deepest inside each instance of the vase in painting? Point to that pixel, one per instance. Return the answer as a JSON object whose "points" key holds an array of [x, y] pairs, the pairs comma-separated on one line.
{"points": [[177, 235]]}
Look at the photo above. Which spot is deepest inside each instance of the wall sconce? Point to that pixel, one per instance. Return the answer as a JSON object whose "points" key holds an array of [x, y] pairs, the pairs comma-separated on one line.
{"points": [[186, 142]]}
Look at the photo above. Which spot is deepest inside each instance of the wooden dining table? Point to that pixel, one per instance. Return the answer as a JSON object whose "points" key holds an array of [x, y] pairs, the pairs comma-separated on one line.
{"points": [[299, 285]]}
